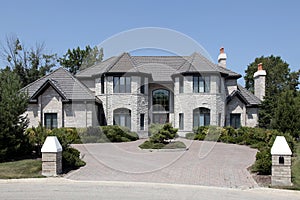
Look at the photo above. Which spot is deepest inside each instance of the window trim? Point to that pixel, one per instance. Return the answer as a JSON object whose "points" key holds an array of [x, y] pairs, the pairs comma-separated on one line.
{"points": [[142, 87], [203, 113], [142, 121], [165, 106], [234, 123], [119, 87], [52, 118], [181, 84], [201, 84], [181, 121], [122, 112]]}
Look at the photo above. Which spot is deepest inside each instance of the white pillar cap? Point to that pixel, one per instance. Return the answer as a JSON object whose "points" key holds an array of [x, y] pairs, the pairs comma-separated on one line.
{"points": [[281, 147], [51, 145]]}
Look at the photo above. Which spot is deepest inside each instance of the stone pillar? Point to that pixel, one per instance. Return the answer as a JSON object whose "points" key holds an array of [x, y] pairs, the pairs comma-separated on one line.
{"points": [[51, 157], [281, 162]]}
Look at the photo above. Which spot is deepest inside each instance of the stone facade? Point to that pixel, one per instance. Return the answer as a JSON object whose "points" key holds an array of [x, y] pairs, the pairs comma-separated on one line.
{"points": [[51, 164], [75, 114], [92, 100]]}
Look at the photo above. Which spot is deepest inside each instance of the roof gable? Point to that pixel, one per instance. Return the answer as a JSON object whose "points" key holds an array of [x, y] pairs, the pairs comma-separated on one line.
{"points": [[64, 83], [48, 83]]}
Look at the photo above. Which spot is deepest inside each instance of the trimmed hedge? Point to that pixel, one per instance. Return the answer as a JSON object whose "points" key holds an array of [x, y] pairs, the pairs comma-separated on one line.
{"points": [[111, 133]]}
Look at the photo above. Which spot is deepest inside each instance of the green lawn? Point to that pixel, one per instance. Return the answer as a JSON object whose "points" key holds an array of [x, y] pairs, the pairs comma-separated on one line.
{"points": [[296, 168], [21, 169]]}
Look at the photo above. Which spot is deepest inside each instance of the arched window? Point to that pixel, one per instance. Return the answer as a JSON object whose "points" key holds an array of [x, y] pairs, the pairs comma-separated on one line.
{"points": [[201, 117], [122, 117], [161, 100]]}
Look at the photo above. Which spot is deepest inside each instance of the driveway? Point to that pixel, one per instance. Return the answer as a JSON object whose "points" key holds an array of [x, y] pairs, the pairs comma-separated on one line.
{"points": [[204, 163]]}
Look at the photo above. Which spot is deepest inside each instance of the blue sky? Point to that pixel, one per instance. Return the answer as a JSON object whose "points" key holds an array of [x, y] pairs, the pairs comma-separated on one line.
{"points": [[247, 29]]}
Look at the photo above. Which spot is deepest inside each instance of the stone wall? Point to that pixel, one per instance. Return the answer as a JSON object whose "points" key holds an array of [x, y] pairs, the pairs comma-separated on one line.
{"points": [[136, 102], [281, 173], [51, 163]]}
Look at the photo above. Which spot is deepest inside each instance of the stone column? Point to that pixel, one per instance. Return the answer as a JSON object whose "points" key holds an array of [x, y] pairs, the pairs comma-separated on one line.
{"points": [[51, 157], [281, 162]]}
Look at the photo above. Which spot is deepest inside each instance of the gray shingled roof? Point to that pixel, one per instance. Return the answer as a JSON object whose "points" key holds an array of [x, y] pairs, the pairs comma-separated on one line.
{"points": [[99, 68], [248, 98], [62, 81], [160, 67], [251, 98]]}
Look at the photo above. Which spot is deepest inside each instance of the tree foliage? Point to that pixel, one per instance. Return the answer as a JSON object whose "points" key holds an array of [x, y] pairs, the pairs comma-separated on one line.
{"points": [[167, 132], [79, 59], [13, 104], [287, 113], [29, 64], [278, 80]]}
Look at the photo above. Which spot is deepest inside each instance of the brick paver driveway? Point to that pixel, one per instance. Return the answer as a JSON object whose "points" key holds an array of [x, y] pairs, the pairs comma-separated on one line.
{"points": [[204, 163]]}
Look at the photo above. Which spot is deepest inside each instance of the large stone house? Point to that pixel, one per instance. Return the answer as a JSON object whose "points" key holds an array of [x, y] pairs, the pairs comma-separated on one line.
{"points": [[135, 91]]}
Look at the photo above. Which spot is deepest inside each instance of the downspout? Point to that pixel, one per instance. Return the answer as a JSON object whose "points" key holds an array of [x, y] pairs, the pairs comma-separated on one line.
{"points": [[85, 113], [106, 100]]}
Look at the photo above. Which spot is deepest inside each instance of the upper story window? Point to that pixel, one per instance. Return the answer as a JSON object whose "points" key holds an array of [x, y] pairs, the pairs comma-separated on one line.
{"points": [[122, 84], [142, 88], [201, 84], [102, 85], [181, 84], [161, 99]]}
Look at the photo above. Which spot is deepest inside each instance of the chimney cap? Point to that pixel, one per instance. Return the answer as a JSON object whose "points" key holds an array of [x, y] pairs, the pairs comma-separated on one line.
{"points": [[259, 67], [222, 50]]}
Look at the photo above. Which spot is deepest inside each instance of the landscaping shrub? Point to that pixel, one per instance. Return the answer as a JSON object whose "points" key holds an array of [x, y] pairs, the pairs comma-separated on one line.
{"points": [[106, 134], [154, 128], [190, 136], [161, 138], [119, 134], [167, 132], [263, 162], [71, 159], [70, 156]]}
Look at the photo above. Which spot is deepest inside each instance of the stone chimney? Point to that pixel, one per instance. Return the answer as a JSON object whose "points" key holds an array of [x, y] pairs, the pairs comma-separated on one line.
{"points": [[222, 58], [260, 82]]}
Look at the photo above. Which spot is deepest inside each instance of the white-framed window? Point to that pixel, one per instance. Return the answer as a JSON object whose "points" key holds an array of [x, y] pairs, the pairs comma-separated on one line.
{"points": [[122, 84], [201, 84], [122, 117]]}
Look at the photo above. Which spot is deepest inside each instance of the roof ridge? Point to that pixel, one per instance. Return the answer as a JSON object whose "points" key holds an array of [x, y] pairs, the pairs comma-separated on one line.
{"points": [[30, 84], [95, 65], [80, 83], [117, 60]]}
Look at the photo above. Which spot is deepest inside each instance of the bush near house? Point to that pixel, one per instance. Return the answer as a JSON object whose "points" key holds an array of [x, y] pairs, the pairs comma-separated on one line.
{"points": [[66, 136], [261, 139], [106, 134], [161, 136]]}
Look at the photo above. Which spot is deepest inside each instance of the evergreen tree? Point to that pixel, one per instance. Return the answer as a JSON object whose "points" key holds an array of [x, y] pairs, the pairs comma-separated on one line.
{"points": [[278, 79], [79, 59], [13, 104], [287, 113]]}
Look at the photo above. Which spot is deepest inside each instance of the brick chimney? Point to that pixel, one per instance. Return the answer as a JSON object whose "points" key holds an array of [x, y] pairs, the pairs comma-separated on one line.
{"points": [[260, 82], [222, 58]]}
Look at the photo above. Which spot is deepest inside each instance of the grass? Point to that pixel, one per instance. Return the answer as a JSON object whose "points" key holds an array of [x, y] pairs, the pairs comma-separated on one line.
{"points": [[296, 167], [21, 169]]}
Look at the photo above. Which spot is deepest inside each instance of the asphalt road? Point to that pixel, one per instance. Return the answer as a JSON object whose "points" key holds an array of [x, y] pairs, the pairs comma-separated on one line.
{"points": [[61, 188]]}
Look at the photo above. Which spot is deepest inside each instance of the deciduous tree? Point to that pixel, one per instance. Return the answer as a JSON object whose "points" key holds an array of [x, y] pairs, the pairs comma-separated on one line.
{"points": [[79, 59]]}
